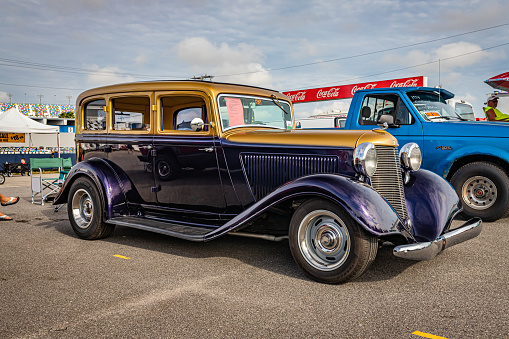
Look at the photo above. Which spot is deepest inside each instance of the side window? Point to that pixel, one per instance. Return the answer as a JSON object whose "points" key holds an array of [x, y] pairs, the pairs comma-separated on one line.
{"points": [[94, 116], [373, 107], [177, 112], [131, 113], [403, 116]]}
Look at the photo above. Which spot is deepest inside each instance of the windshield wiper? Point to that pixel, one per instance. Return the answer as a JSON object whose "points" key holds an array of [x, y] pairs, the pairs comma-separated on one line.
{"points": [[276, 101]]}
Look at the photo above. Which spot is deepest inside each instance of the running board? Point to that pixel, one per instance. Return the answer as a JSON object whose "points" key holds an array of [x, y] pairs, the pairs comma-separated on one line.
{"points": [[193, 233]]}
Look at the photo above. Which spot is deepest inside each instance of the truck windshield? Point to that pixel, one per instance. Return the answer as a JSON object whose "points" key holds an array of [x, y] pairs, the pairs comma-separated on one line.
{"points": [[242, 111], [432, 106]]}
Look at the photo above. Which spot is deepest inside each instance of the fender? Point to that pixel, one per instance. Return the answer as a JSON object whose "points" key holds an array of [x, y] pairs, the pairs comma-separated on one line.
{"points": [[361, 201], [107, 178], [444, 165], [432, 204]]}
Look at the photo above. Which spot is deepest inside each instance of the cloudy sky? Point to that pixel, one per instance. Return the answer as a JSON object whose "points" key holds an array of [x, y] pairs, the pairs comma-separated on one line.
{"points": [[59, 48]]}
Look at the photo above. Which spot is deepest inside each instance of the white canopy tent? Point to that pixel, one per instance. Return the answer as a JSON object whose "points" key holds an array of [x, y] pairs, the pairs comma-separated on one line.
{"points": [[13, 121]]}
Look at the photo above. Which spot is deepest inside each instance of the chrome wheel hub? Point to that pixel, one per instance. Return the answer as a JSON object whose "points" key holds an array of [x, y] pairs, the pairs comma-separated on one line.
{"points": [[479, 193], [82, 208], [324, 240]]}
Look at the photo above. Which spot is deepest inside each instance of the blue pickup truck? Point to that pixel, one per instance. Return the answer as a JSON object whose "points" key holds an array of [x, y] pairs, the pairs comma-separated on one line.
{"points": [[472, 156]]}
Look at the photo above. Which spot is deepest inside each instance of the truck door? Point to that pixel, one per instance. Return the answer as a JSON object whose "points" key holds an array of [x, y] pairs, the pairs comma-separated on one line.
{"points": [[373, 106]]}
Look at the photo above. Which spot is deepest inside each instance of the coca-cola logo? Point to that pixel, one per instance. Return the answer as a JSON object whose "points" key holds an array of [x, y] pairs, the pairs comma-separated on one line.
{"points": [[331, 93], [408, 83], [299, 96], [367, 86]]}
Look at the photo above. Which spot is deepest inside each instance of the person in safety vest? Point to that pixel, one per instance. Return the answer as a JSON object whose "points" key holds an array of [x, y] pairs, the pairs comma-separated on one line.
{"points": [[492, 112]]}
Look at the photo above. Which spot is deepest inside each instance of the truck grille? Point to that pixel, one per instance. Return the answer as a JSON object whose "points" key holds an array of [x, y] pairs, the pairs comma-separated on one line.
{"points": [[388, 180], [265, 173]]}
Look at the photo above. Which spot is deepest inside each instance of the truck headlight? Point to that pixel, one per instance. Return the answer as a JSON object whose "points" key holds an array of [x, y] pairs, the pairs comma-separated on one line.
{"points": [[411, 157], [364, 159]]}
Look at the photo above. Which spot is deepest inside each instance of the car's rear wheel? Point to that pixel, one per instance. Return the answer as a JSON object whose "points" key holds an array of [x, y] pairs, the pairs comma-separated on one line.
{"points": [[85, 211], [483, 189], [328, 244]]}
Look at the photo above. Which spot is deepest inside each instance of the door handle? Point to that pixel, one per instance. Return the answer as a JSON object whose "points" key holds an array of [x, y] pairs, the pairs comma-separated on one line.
{"points": [[208, 149]]}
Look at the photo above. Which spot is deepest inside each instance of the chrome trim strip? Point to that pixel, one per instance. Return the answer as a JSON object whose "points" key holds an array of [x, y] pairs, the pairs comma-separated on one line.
{"points": [[428, 250]]}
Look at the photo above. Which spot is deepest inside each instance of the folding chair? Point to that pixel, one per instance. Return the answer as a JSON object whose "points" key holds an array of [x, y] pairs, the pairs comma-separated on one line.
{"points": [[43, 185]]}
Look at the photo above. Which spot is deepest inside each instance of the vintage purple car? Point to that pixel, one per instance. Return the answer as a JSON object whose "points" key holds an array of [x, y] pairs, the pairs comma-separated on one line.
{"points": [[198, 160]]}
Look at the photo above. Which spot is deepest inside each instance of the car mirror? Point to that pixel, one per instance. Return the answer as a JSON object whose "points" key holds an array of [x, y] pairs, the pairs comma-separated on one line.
{"points": [[197, 124], [387, 118]]}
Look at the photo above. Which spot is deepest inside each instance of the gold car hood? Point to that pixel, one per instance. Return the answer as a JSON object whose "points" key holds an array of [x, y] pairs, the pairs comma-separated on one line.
{"points": [[311, 137]]}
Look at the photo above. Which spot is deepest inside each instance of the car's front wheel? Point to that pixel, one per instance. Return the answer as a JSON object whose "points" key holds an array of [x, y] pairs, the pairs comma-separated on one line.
{"points": [[328, 244], [483, 189], [85, 211]]}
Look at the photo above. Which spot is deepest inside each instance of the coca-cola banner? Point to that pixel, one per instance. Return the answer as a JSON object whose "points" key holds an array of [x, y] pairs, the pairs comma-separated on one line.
{"points": [[347, 91]]}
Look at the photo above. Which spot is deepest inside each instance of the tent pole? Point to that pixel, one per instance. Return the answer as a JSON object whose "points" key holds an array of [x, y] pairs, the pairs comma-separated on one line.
{"points": [[58, 143]]}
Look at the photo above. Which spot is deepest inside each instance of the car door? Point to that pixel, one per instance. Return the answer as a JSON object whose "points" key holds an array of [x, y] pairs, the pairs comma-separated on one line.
{"points": [[186, 170], [130, 141]]}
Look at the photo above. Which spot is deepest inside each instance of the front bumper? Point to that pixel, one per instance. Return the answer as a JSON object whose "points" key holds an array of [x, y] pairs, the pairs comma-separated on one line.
{"points": [[428, 250]]}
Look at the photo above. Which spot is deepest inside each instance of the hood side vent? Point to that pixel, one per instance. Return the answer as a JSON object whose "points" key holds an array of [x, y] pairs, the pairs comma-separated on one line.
{"points": [[265, 173]]}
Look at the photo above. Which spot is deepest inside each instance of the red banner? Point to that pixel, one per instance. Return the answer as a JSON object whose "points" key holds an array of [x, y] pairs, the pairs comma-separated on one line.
{"points": [[347, 91]]}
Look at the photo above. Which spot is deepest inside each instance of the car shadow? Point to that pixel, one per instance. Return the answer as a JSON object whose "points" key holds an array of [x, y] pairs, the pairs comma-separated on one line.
{"points": [[267, 255]]}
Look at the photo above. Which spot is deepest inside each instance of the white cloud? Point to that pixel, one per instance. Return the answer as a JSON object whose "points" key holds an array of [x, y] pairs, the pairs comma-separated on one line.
{"points": [[240, 64], [305, 48], [141, 59], [451, 56], [110, 75]]}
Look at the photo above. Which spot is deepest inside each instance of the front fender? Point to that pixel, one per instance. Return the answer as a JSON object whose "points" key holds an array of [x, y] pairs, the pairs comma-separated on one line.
{"points": [[443, 166], [361, 201], [115, 188], [432, 204]]}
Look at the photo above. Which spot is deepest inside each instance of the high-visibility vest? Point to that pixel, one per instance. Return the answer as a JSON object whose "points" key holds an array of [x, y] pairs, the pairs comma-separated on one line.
{"points": [[498, 115]]}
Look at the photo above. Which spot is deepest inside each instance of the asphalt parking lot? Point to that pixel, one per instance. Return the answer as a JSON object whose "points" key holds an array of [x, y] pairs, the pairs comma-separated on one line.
{"points": [[140, 284]]}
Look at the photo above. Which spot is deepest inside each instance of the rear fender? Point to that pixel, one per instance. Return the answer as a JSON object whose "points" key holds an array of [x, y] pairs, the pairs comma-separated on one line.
{"points": [[114, 186], [361, 201]]}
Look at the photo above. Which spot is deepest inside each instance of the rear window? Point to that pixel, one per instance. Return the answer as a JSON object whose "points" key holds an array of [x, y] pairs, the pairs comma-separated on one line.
{"points": [[94, 116]]}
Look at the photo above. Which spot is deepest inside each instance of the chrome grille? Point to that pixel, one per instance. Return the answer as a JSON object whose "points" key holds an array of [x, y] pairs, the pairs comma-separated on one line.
{"points": [[388, 180], [265, 173]]}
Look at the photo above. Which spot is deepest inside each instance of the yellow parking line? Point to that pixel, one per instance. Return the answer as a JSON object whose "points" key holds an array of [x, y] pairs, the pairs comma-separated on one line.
{"points": [[427, 335], [121, 256]]}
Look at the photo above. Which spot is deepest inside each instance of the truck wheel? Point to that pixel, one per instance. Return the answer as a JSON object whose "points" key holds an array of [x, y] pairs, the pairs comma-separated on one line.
{"points": [[85, 211], [483, 189], [328, 244]]}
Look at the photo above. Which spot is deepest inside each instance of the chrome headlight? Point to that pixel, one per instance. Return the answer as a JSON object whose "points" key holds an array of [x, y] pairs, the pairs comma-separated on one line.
{"points": [[364, 159], [411, 157]]}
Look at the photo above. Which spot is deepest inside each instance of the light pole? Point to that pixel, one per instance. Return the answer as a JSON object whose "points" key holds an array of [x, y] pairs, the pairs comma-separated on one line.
{"points": [[10, 97], [69, 98], [40, 98]]}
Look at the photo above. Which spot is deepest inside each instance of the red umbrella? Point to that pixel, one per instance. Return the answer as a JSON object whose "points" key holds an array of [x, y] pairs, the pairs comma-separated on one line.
{"points": [[500, 81]]}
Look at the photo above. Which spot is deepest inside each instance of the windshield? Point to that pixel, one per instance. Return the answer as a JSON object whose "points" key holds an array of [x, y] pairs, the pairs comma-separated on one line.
{"points": [[432, 106], [239, 111]]}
